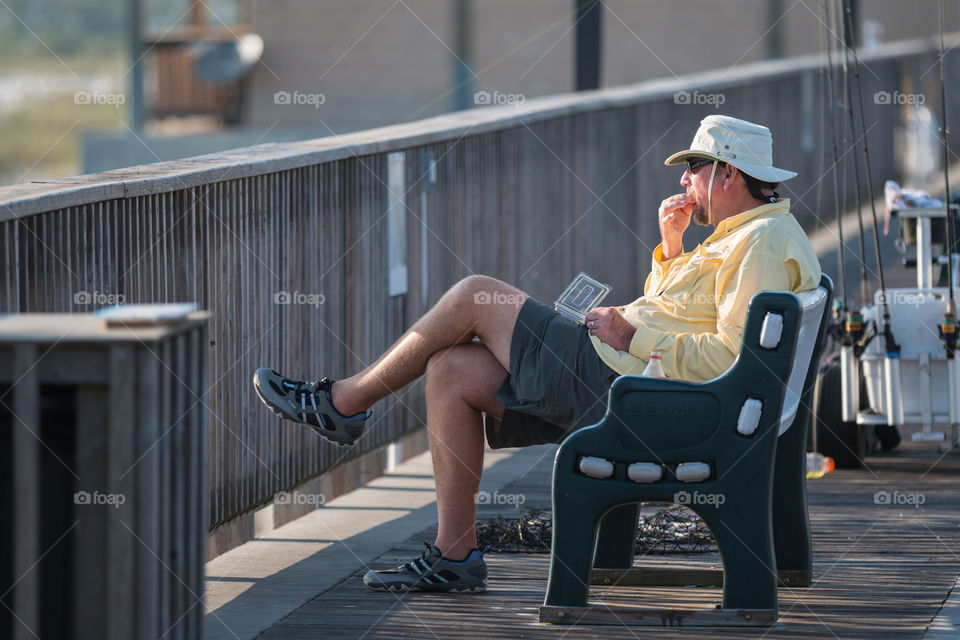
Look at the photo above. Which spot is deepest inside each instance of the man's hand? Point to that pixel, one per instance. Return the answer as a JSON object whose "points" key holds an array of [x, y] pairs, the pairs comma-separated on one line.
{"points": [[674, 215], [607, 324]]}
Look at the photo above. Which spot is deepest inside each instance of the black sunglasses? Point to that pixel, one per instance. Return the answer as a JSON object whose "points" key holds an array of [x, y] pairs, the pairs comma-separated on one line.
{"points": [[695, 163]]}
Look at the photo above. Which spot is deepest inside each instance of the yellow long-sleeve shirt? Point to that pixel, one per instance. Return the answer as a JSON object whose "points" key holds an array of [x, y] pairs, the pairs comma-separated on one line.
{"points": [[694, 305]]}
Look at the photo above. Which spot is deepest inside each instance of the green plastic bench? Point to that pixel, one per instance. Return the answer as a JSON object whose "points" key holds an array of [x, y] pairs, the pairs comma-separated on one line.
{"points": [[691, 443]]}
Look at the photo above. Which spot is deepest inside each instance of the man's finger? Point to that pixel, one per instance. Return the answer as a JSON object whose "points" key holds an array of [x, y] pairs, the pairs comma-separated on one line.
{"points": [[676, 206]]}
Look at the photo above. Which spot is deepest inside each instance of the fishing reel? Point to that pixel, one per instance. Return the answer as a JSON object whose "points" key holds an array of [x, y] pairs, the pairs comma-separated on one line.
{"points": [[856, 334], [948, 333]]}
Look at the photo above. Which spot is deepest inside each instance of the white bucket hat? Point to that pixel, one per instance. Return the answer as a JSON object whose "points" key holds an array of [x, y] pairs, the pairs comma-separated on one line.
{"points": [[745, 145]]}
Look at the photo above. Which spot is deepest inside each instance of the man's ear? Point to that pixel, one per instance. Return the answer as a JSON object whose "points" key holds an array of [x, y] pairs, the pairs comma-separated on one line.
{"points": [[730, 178]]}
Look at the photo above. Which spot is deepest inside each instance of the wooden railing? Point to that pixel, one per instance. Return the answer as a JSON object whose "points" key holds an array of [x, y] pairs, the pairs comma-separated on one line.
{"points": [[104, 453], [289, 245]]}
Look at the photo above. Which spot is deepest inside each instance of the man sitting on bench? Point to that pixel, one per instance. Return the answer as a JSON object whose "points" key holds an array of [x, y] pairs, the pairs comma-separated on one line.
{"points": [[488, 348]]}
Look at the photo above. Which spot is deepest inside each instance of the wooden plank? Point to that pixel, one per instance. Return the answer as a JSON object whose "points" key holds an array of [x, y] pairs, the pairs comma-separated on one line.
{"points": [[51, 328], [165, 499], [203, 460], [600, 614], [179, 549], [91, 581], [681, 577], [76, 365], [27, 494], [121, 542], [147, 491], [189, 372]]}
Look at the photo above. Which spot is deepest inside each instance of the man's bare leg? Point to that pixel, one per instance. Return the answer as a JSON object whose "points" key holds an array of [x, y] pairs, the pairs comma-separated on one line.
{"points": [[477, 306], [461, 381]]}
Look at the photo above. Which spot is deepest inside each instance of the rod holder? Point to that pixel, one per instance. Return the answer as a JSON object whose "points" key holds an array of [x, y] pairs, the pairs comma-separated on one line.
{"points": [[954, 368], [893, 388], [849, 384]]}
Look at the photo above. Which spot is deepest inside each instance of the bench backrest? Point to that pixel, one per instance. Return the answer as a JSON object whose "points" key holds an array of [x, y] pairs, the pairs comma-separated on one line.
{"points": [[813, 302]]}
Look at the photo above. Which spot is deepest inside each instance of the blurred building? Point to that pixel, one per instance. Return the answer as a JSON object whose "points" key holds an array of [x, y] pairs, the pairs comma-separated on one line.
{"points": [[335, 66]]}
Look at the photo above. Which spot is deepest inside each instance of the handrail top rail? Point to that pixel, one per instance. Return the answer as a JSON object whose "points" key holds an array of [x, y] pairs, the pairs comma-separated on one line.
{"points": [[24, 200], [83, 328]]}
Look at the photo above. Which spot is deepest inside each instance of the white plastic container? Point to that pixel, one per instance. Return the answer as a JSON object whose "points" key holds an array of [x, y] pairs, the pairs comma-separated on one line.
{"points": [[818, 465], [914, 316]]}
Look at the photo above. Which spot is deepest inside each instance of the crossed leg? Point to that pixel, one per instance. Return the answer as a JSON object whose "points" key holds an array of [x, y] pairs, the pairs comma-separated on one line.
{"points": [[462, 380]]}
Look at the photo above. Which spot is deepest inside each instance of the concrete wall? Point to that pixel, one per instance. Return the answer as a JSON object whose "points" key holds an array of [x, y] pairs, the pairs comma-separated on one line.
{"points": [[382, 61]]}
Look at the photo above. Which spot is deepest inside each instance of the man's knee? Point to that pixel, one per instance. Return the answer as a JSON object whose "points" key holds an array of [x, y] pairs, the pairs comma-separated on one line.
{"points": [[476, 289], [480, 295], [444, 369], [462, 374]]}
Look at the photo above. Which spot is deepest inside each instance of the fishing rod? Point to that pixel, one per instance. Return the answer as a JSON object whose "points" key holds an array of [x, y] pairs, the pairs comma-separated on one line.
{"points": [[831, 100], [850, 327], [864, 284], [892, 346], [948, 326]]}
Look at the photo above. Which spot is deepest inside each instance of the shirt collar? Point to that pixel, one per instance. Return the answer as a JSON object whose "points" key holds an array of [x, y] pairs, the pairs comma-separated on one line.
{"points": [[731, 223]]}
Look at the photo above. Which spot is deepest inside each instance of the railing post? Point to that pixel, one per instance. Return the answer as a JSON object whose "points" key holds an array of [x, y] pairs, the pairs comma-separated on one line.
{"points": [[120, 413]]}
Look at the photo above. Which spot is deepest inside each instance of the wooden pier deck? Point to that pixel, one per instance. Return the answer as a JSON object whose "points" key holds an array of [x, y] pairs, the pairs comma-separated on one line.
{"points": [[882, 570]]}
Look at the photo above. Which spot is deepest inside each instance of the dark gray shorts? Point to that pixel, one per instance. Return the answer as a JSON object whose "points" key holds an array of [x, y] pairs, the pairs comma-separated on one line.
{"points": [[556, 383]]}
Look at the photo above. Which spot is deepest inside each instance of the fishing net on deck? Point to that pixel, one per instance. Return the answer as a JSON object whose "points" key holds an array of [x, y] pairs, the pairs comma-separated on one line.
{"points": [[672, 529]]}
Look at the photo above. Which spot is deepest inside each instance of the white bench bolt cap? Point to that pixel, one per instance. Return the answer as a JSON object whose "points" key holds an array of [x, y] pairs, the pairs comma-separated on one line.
{"points": [[771, 331], [693, 471], [749, 418], [644, 472], [595, 467]]}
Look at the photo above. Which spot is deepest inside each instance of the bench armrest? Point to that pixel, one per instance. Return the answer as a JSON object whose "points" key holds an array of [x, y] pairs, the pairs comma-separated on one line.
{"points": [[659, 414]]}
